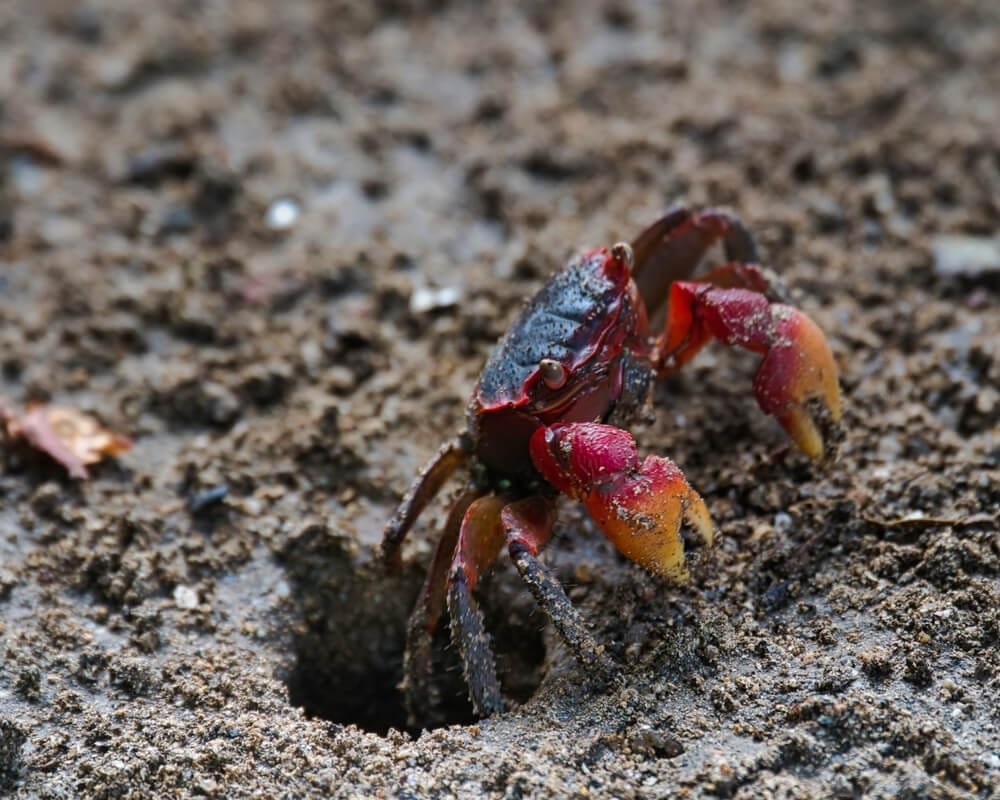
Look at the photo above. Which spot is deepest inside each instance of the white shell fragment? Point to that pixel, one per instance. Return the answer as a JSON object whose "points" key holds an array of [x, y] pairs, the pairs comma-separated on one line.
{"points": [[425, 299], [966, 255], [282, 214], [185, 597]]}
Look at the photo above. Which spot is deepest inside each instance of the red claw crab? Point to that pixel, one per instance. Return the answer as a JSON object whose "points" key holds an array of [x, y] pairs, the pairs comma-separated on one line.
{"points": [[545, 417]]}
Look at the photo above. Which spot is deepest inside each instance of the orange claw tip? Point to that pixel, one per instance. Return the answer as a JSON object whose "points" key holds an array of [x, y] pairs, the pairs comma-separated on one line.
{"points": [[797, 383], [639, 507], [801, 429], [642, 515]]}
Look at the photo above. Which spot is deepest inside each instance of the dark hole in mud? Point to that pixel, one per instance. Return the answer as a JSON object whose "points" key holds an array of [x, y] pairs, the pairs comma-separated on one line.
{"points": [[350, 638]]}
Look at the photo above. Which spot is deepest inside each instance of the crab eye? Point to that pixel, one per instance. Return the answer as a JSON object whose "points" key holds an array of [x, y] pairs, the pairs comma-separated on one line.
{"points": [[553, 373], [623, 252]]}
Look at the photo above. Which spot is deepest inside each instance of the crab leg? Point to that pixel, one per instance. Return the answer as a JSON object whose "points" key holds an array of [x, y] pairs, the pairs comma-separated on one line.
{"points": [[468, 631], [524, 527], [745, 275], [479, 543], [528, 524], [670, 249], [427, 612], [797, 378], [423, 489], [639, 506]]}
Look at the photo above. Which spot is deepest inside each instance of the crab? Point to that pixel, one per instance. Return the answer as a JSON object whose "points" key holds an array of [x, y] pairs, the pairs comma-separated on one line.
{"points": [[546, 419]]}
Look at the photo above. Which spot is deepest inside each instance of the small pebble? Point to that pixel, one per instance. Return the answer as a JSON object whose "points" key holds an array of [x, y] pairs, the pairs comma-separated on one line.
{"points": [[424, 299], [880, 195], [185, 597], [282, 214], [209, 497], [966, 256]]}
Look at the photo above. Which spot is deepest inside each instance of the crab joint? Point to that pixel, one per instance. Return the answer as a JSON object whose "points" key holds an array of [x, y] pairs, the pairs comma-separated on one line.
{"points": [[640, 507]]}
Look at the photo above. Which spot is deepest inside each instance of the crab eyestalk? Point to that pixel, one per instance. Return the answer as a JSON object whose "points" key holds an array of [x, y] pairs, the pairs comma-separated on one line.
{"points": [[640, 507]]}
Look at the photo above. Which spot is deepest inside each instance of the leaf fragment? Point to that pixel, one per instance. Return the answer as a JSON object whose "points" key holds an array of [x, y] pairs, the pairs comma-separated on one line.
{"points": [[70, 437]]}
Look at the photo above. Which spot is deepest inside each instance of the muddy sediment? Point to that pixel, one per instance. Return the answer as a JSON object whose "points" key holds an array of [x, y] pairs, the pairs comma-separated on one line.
{"points": [[274, 243]]}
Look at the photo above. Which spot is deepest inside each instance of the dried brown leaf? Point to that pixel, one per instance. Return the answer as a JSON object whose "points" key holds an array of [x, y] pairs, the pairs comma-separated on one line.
{"points": [[72, 438]]}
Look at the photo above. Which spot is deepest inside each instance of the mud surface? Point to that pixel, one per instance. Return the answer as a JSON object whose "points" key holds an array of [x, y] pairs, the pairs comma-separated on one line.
{"points": [[221, 225]]}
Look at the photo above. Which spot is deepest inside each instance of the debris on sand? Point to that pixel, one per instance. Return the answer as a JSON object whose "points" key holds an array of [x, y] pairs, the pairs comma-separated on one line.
{"points": [[425, 299], [966, 256], [282, 214], [72, 438]]}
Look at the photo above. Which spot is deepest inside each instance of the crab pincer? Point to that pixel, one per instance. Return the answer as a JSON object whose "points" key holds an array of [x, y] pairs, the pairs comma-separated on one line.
{"points": [[796, 381], [639, 506]]}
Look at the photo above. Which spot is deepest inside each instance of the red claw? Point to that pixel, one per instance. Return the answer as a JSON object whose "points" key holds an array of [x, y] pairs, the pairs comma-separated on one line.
{"points": [[797, 379], [639, 507]]}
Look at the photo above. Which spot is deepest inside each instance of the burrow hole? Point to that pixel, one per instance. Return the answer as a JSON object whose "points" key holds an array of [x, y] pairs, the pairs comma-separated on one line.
{"points": [[349, 643]]}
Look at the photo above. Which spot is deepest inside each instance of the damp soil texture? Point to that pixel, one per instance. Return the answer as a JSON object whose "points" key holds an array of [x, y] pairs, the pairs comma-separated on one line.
{"points": [[274, 243]]}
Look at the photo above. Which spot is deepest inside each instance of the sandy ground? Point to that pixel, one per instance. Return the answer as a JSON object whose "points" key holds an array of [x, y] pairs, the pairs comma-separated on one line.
{"points": [[844, 637]]}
